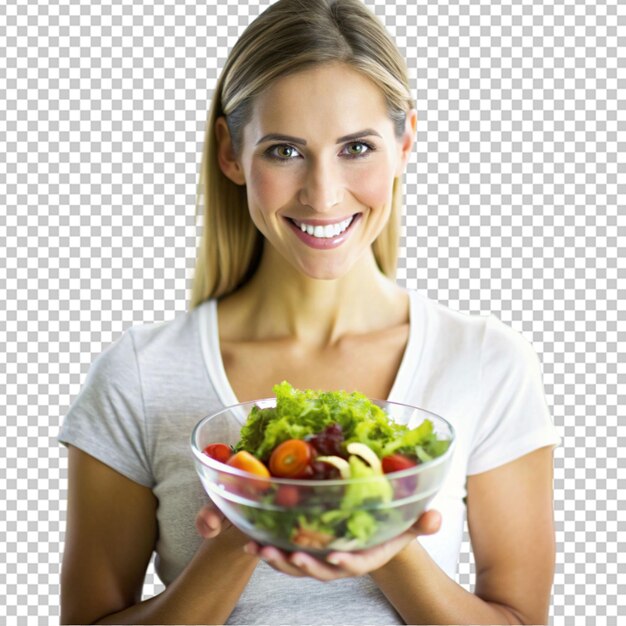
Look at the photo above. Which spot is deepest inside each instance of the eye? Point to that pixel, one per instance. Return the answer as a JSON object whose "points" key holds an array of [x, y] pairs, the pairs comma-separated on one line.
{"points": [[281, 152], [363, 149]]}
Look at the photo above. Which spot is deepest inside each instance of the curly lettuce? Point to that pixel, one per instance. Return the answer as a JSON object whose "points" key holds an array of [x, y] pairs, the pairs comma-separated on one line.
{"points": [[299, 413]]}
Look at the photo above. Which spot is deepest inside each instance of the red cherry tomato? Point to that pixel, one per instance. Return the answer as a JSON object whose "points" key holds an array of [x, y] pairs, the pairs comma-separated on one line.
{"points": [[396, 463], [218, 451], [287, 496], [291, 459]]}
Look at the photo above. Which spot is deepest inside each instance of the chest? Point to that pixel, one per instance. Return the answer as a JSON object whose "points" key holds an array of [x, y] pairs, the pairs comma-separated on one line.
{"points": [[369, 365]]}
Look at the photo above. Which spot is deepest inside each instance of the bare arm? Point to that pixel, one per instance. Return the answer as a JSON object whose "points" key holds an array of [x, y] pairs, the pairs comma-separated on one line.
{"points": [[110, 536], [510, 518]]}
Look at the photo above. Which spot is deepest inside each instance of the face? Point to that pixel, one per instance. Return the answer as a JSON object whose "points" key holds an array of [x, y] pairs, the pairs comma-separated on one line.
{"points": [[318, 159]]}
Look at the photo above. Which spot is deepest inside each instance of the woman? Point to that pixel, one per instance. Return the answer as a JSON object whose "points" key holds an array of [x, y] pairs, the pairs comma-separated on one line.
{"points": [[309, 133]]}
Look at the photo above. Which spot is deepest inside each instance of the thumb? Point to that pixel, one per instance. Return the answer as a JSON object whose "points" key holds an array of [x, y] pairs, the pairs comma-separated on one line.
{"points": [[428, 523], [209, 521]]}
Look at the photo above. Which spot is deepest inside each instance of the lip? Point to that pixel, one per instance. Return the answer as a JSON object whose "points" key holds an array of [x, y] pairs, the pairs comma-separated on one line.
{"points": [[321, 222], [321, 243]]}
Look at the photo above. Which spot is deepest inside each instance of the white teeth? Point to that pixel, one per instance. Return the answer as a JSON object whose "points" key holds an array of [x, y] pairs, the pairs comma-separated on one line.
{"points": [[325, 232]]}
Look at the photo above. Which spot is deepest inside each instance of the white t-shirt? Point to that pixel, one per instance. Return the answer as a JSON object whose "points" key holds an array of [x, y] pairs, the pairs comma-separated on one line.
{"points": [[145, 392]]}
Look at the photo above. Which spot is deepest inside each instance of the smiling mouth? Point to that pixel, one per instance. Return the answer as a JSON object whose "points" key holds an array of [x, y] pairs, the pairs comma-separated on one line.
{"points": [[327, 231]]}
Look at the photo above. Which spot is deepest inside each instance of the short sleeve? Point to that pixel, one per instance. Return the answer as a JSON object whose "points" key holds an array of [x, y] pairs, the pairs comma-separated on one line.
{"points": [[513, 418], [106, 419]]}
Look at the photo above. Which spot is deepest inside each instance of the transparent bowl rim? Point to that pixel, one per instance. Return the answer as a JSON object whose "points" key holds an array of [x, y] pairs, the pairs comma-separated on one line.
{"points": [[204, 459]]}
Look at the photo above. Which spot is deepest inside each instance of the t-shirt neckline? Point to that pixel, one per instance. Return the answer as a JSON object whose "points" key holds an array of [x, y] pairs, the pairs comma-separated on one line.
{"points": [[209, 337]]}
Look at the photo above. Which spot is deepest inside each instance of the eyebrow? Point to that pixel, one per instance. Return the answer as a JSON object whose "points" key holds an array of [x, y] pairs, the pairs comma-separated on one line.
{"points": [[278, 137]]}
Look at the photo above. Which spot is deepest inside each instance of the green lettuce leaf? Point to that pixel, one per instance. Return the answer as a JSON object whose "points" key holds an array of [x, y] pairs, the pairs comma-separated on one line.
{"points": [[362, 525], [407, 439]]}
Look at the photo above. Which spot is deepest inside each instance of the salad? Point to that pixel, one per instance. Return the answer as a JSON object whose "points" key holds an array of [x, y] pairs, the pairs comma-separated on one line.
{"points": [[326, 435]]}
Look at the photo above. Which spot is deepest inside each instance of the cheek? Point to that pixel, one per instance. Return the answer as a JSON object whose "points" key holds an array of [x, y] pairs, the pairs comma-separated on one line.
{"points": [[372, 186], [267, 190]]}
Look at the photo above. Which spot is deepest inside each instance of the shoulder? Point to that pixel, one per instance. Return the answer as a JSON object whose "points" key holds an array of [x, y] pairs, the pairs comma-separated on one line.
{"points": [[183, 326], [447, 331], [484, 333], [163, 346], [506, 352], [477, 352], [144, 346]]}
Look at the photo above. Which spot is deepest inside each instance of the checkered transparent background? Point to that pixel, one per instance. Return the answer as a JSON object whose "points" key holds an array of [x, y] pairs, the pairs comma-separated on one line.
{"points": [[514, 205]]}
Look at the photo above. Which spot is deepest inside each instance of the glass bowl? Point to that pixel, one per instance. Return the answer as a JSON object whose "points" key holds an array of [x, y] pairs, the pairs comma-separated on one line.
{"points": [[313, 515]]}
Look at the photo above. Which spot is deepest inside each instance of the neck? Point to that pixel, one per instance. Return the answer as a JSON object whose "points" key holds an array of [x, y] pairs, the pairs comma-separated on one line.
{"points": [[280, 303]]}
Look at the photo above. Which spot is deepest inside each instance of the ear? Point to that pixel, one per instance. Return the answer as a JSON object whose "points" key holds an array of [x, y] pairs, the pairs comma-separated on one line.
{"points": [[406, 142], [230, 166]]}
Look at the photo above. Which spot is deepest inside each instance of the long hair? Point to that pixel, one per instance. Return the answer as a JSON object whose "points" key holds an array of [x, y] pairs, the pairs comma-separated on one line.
{"points": [[289, 36]]}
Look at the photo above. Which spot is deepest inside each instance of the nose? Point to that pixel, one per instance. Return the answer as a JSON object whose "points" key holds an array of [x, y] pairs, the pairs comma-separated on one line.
{"points": [[322, 188]]}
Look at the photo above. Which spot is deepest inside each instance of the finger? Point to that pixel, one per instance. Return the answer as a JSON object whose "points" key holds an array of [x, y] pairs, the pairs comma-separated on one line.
{"points": [[296, 563], [279, 561], [428, 523], [205, 530], [359, 563], [209, 521], [210, 512], [316, 568], [252, 548]]}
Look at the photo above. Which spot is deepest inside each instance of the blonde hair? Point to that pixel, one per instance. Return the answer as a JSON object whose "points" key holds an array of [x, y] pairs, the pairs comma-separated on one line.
{"points": [[289, 36]]}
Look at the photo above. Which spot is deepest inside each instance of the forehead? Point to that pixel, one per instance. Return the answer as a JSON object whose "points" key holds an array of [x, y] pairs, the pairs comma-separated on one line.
{"points": [[331, 99]]}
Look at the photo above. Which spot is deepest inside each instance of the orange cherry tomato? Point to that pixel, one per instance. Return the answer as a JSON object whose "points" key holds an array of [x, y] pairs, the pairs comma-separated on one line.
{"points": [[245, 461], [218, 451], [291, 459], [251, 486]]}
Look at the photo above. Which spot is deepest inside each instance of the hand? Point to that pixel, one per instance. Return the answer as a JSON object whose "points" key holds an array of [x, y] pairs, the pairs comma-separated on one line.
{"points": [[210, 521], [345, 564]]}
